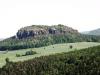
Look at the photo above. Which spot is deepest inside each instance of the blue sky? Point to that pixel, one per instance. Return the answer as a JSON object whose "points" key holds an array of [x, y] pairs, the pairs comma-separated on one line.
{"points": [[83, 15]]}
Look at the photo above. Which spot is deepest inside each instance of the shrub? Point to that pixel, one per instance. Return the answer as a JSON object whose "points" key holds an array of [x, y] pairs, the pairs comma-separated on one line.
{"points": [[7, 60], [30, 52], [70, 46], [18, 55]]}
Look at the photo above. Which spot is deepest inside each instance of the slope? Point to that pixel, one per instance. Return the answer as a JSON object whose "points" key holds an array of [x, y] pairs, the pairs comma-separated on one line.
{"points": [[82, 62]]}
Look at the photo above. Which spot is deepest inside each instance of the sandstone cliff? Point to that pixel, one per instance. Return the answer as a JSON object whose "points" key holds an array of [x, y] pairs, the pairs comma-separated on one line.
{"points": [[36, 30]]}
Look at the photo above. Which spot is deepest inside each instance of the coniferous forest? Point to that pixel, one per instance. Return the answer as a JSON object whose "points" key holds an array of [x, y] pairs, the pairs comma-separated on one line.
{"points": [[82, 62], [15, 44]]}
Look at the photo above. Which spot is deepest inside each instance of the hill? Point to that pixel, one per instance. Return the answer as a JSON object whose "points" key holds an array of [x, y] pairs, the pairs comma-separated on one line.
{"points": [[40, 35], [1, 39], [40, 30], [93, 32], [82, 62]]}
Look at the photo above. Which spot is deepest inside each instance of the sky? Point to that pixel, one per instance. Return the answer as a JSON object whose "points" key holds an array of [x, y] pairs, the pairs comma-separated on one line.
{"points": [[83, 15]]}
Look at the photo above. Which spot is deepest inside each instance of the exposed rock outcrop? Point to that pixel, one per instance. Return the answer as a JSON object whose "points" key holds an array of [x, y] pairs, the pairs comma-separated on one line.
{"points": [[35, 30]]}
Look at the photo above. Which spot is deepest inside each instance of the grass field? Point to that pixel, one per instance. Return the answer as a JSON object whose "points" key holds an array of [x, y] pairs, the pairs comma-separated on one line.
{"points": [[52, 49]]}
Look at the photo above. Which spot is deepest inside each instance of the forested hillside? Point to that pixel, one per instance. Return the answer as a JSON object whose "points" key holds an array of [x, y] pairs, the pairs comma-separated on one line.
{"points": [[38, 36], [82, 62]]}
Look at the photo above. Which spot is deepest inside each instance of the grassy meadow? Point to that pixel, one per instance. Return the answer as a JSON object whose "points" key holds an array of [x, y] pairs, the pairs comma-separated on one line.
{"points": [[42, 51]]}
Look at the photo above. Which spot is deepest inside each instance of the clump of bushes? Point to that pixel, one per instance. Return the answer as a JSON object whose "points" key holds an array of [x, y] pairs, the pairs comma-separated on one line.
{"points": [[70, 46], [30, 52], [7, 60], [18, 55], [27, 53]]}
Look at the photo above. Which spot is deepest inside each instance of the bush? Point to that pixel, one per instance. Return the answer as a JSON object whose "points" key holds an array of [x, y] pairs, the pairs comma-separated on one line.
{"points": [[7, 60], [70, 46], [26, 53], [18, 55], [30, 52]]}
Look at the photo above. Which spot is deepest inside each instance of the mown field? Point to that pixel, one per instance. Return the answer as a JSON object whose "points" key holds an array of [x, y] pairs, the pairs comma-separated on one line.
{"points": [[42, 51]]}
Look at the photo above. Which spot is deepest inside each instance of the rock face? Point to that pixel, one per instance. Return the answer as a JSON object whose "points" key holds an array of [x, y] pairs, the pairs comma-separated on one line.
{"points": [[35, 30]]}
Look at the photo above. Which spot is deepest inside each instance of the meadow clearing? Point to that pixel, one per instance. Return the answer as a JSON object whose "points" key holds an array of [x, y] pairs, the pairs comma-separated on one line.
{"points": [[43, 51]]}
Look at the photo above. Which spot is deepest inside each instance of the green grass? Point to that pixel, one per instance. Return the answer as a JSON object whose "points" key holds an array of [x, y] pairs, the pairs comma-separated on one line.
{"points": [[58, 48]]}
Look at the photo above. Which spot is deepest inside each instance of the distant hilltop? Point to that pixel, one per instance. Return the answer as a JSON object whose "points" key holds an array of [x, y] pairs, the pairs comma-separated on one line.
{"points": [[36, 30], [93, 32], [1, 39]]}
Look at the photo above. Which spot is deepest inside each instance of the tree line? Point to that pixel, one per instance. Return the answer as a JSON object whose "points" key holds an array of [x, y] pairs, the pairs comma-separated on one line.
{"points": [[15, 44]]}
